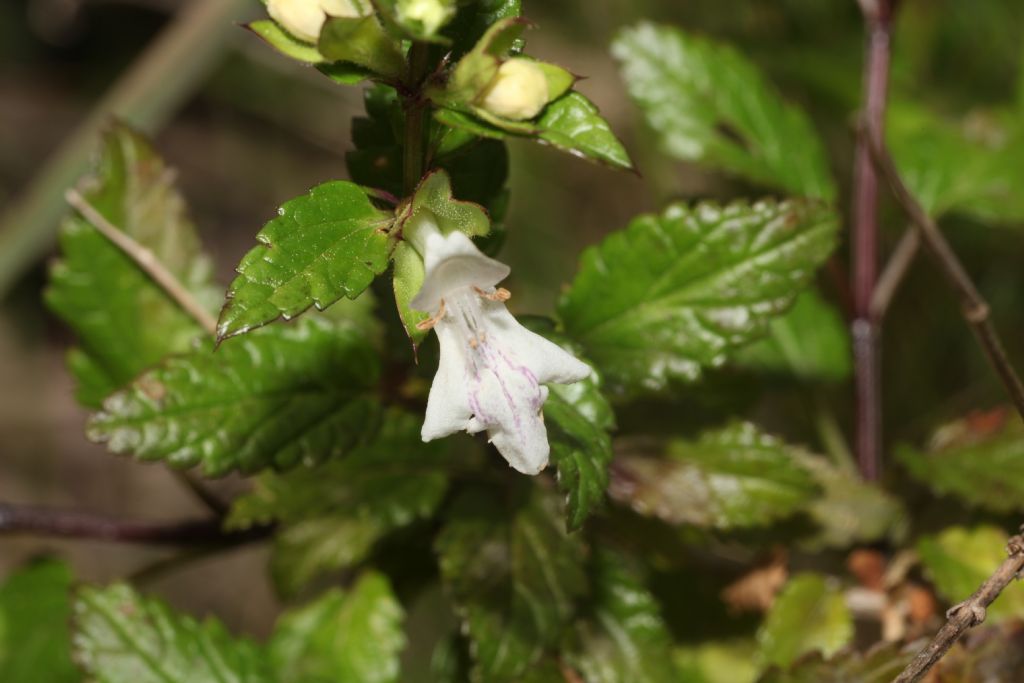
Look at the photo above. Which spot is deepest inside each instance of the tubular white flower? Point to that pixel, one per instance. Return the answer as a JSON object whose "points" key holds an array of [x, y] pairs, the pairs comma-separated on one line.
{"points": [[492, 369], [518, 92], [304, 18]]}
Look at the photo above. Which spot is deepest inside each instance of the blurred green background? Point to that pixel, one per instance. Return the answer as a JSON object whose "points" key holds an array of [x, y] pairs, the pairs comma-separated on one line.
{"points": [[257, 129]]}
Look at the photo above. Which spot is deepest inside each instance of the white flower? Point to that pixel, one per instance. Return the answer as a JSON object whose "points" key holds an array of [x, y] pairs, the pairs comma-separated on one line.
{"points": [[492, 369], [430, 14], [519, 90], [304, 18]]}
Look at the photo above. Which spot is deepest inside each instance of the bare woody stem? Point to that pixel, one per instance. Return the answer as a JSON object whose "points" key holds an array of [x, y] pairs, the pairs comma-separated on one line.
{"points": [[415, 107], [146, 260], [975, 309], [42, 521], [877, 15], [967, 614], [896, 269]]}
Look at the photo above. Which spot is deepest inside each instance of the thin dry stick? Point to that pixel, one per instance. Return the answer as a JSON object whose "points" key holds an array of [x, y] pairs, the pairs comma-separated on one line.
{"points": [[896, 268], [967, 614], [975, 309], [146, 260]]}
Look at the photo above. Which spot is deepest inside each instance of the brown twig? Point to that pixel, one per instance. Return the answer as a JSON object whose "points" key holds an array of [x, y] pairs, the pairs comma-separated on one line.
{"points": [[865, 329], [146, 260], [896, 268], [43, 521], [975, 309], [967, 614]]}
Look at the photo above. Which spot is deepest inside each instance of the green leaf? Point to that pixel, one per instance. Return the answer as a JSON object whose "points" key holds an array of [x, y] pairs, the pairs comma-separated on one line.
{"points": [[515, 577], [362, 41], [809, 615], [971, 167], [286, 395], [979, 459], [709, 104], [475, 18], [282, 41], [959, 560], [736, 477], [342, 636], [578, 418], [810, 341], [881, 664], [121, 637], [717, 662], [333, 514], [325, 245], [624, 640], [124, 322], [35, 608], [675, 293]]}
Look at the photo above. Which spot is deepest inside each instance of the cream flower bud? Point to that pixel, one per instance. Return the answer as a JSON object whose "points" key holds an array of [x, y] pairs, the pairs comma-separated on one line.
{"points": [[304, 18], [430, 14], [519, 90]]}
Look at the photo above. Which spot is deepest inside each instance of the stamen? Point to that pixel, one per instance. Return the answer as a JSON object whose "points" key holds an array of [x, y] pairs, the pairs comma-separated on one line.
{"points": [[430, 322], [500, 294]]}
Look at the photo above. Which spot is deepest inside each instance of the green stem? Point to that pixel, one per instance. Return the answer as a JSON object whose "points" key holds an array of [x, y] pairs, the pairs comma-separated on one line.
{"points": [[415, 118]]}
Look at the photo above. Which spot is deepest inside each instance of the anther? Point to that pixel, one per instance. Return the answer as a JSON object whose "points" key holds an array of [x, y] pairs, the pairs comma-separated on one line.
{"points": [[430, 322], [500, 294]]}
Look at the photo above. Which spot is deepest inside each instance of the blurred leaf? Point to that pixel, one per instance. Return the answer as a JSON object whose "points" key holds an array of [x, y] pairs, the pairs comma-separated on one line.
{"points": [[985, 655], [979, 459], [810, 341], [279, 39], [324, 245], [286, 395], [809, 615], [514, 575], [342, 636], [35, 608], [624, 639], [571, 123], [709, 104], [882, 664], [334, 513], [674, 293], [972, 168], [716, 662], [123, 638], [362, 41], [732, 478], [123, 320], [959, 560]]}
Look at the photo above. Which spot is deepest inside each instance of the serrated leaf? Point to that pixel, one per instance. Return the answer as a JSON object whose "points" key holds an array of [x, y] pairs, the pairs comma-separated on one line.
{"points": [[970, 167], [979, 459], [35, 607], [624, 640], [810, 341], [333, 514], [736, 477], [328, 244], [286, 395], [959, 560], [121, 637], [515, 577], [279, 39], [124, 322], [353, 635], [809, 615], [675, 293], [711, 105], [362, 41], [881, 664]]}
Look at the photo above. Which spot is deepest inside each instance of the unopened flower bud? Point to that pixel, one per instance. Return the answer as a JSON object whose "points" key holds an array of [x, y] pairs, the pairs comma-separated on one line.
{"points": [[431, 15], [519, 91], [304, 18]]}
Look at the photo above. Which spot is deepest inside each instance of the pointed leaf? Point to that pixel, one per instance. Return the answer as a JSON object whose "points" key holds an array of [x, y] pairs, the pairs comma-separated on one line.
{"points": [[709, 104], [733, 478], [675, 293], [286, 395], [809, 615], [279, 39], [121, 637], [353, 635], [573, 124], [325, 245], [514, 576], [124, 322], [35, 608]]}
